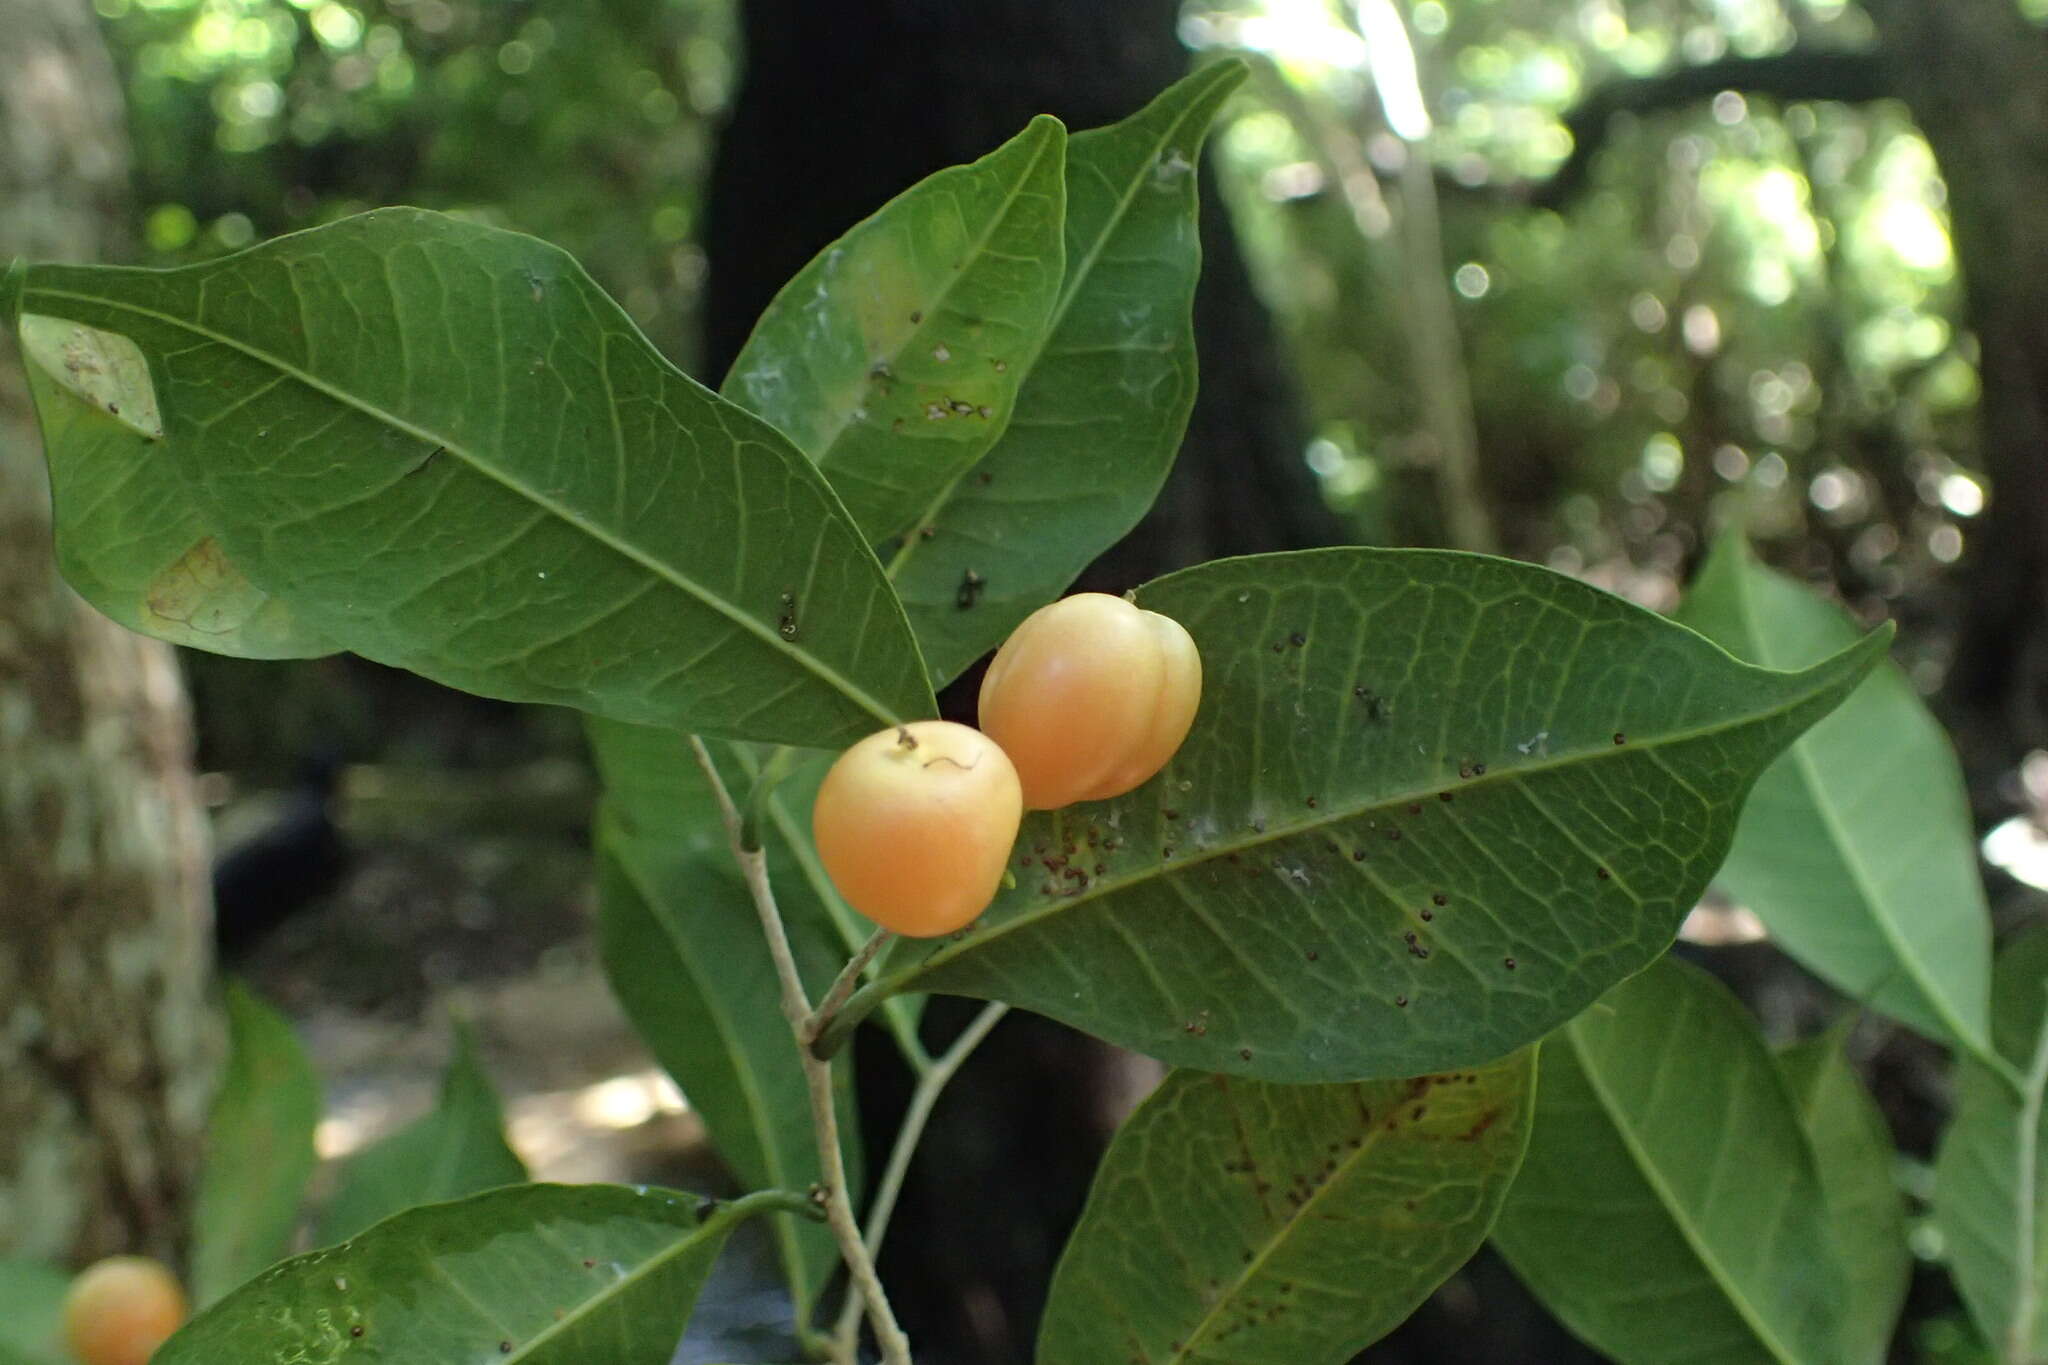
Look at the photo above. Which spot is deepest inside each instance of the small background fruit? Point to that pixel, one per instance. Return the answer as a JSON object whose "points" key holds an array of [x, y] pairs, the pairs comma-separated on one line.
{"points": [[915, 824], [1090, 697], [120, 1310]]}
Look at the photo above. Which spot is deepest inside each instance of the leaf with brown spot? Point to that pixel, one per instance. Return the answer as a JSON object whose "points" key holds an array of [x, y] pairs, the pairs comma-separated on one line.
{"points": [[1185, 1255]]}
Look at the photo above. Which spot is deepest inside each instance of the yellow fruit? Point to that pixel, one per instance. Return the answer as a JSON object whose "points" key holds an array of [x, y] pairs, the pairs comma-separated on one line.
{"points": [[1090, 697], [914, 825], [120, 1310]]}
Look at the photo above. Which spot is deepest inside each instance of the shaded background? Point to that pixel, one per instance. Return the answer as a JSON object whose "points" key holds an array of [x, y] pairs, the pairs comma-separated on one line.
{"points": [[1599, 278]]}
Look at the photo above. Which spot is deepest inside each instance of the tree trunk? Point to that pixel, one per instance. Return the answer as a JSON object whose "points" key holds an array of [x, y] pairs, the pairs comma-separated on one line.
{"points": [[1974, 73], [107, 1042]]}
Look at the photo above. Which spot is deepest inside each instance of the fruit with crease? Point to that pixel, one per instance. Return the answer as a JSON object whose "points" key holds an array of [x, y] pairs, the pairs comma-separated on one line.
{"points": [[914, 825], [1090, 697], [118, 1311]]}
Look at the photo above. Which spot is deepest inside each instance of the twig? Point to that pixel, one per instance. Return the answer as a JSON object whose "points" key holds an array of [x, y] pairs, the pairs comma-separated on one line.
{"points": [[2020, 1339], [796, 1008], [821, 1018], [922, 1100]]}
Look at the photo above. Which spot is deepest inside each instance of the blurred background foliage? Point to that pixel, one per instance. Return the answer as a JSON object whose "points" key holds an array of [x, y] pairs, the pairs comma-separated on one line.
{"points": [[1749, 308]]}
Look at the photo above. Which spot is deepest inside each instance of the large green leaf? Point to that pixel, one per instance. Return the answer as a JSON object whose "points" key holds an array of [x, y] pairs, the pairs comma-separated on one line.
{"points": [[1433, 805], [443, 447], [456, 1149], [893, 358], [542, 1274], [130, 538], [1106, 399], [1856, 847], [1670, 1208], [259, 1150], [1991, 1174], [1236, 1221], [684, 952], [31, 1313], [1866, 1212]]}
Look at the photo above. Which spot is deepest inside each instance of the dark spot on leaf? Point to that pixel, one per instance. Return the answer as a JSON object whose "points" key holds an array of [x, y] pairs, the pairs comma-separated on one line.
{"points": [[1394, 835], [1620, 738], [916, 317], [1443, 796], [1311, 803], [984, 477], [1402, 1001], [589, 1264], [1439, 899], [706, 1207], [1427, 915], [1297, 639], [1602, 873], [1358, 855], [1478, 770], [1508, 962], [1244, 1053], [1313, 955], [504, 1348], [927, 532], [971, 584], [356, 1330], [1277, 646]]}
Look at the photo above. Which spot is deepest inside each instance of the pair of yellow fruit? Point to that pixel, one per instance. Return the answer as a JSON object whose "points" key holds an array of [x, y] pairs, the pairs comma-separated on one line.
{"points": [[1087, 699]]}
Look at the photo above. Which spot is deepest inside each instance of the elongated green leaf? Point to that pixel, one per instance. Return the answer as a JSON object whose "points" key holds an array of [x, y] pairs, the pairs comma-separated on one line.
{"points": [[259, 1150], [1670, 1208], [1991, 1174], [544, 1274], [1432, 805], [443, 447], [1856, 847], [130, 538], [893, 358], [31, 1309], [457, 1149], [1283, 1224], [684, 951], [1866, 1212], [1106, 399]]}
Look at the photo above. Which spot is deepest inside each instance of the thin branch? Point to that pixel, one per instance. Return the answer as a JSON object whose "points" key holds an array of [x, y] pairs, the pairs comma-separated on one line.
{"points": [[915, 1117], [2020, 1340], [796, 1008], [821, 1018], [1801, 74]]}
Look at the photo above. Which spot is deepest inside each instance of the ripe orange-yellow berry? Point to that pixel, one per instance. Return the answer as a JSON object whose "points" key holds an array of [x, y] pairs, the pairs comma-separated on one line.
{"points": [[914, 825], [119, 1310], [1090, 697]]}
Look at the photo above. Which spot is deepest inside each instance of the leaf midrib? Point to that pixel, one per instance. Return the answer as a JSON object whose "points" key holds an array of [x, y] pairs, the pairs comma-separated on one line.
{"points": [[731, 611], [1108, 885], [1068, 293], [1851, 853], [1668, 1201]]}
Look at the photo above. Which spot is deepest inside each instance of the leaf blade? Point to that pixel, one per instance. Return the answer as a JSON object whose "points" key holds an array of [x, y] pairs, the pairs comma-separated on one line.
{"points": [[1669, 1263], [1154, 1269], [1132, 263], [259, 1150], [1860, 857], [1267, 905], [889, 358], [484, 1278], [1866, 1210], [325, 397], [457, 1148]]}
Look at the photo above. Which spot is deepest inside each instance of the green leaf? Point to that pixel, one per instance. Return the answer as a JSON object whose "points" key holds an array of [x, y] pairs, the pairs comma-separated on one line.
{"points": [[1283, 1224], [130, 538], [31, 1312], [1380, 729], [1866, 1212], [1856, 847], [259, 1150], [1991, 1173], [1670, 1207], [893, 358], [445, 448], [684, 952], [1106, 399], [542, 1274], [459, 1148]]}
